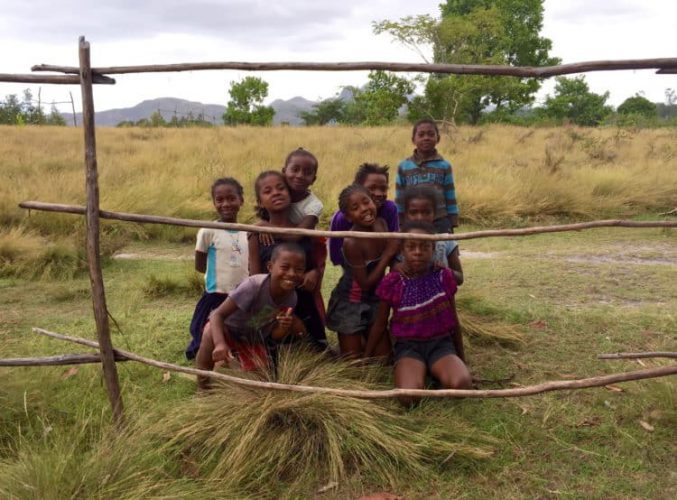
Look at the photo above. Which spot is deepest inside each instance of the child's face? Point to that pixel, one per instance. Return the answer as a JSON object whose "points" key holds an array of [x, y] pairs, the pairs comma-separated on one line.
{"points": [[425, 138], [420, 209], [377, 185], [361, 209], [287, 270], [273, 194], [417, 254], [300, 172], [227, 202]]}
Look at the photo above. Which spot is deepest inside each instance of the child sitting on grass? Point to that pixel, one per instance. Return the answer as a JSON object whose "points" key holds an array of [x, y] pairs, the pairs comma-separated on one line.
{"points": [[222, 255], [424, 321], [255, 315], [374, 177], [427, 168]]}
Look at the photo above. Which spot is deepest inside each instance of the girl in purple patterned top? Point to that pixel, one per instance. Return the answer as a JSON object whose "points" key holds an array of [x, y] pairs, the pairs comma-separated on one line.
{"points": [[424, 324]]}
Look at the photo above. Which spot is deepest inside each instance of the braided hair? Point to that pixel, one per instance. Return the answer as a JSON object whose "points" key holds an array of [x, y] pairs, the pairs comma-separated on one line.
{"points": [[347, 192]]}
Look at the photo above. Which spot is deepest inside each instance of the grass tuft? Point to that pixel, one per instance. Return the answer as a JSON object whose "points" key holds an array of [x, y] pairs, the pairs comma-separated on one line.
{"points": [[252, 438]]}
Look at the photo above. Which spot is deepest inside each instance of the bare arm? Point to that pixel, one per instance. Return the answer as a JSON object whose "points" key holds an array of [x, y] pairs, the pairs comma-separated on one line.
{"points": [[200, 262], [355, 259], [219, 331], [377, 329], [454, 262]]}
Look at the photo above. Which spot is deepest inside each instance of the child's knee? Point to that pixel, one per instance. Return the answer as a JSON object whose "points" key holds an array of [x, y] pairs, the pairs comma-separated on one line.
{"points": [[457, 380]]}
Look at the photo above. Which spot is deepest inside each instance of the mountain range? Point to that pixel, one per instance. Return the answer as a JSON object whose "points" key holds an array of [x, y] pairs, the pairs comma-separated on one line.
{"points": [[286, 111]]}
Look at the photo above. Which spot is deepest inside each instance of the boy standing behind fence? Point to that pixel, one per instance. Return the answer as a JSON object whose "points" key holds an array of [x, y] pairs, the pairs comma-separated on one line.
{"points": [[427, 168]]}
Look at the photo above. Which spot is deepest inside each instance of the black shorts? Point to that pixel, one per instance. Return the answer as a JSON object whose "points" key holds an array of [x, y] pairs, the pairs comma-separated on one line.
{"points": [[427, 352]]}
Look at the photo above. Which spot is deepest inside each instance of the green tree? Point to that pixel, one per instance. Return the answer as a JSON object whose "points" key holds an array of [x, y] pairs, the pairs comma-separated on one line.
{"points": [[505, 32], [55, 118], [639, 106], [246, 103], [156, 119], [573, 101], [380, 100], [326, 111]]}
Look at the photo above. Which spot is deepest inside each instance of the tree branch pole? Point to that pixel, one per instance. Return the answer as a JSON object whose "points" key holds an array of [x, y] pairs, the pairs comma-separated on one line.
{"points": [[174, 221], [557, 385], [57, 79], [456, 69], [59, 360], [638, 355], [105, 345]]}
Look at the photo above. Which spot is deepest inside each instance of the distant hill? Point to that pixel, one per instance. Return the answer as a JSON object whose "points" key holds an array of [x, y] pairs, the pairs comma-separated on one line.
{"points": [[285, 111]]}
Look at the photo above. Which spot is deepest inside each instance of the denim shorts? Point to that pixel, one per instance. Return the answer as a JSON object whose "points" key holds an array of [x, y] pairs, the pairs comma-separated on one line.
{"points": [[427, 352]]}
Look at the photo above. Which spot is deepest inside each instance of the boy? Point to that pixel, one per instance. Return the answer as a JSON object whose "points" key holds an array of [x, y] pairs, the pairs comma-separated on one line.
{"points": [[255, 314]]}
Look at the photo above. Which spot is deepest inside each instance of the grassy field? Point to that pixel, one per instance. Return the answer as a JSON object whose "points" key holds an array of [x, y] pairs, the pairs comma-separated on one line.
{"points": [[571, 295]]}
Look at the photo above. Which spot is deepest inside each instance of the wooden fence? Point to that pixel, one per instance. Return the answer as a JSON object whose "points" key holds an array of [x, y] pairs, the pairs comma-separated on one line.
{"points": [[86, 76]]}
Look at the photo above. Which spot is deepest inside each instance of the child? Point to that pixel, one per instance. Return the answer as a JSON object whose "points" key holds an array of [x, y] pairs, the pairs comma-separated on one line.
{"points": [[419, 205], [255, 314], [300, 171], [426, 167], [274, 205], [375, 178], [353, 301], [424, 319], [222, 256]]}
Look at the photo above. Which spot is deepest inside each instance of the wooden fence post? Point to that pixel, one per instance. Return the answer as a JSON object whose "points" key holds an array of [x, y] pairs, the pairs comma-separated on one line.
{"points": [[93, 256]]}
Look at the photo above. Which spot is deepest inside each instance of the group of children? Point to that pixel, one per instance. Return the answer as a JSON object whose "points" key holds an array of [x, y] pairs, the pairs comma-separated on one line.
{"points": [[263, 289]]}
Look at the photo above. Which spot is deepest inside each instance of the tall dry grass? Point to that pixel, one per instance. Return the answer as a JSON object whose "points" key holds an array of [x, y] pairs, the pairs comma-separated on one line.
{"points": [[502, 172], [504, 175]]}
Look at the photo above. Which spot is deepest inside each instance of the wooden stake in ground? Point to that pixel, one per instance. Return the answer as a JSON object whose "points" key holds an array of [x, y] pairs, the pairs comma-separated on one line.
{"points": [[110, 372]]}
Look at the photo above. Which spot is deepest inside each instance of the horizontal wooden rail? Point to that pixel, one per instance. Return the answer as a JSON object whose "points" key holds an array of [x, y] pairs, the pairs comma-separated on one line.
{"points": [[61, 359], [457, 69], [58, 79], [638, 355], [154, 219], [556, 385]]}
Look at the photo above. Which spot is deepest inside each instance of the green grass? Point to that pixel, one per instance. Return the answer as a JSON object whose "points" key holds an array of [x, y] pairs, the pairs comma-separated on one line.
{"points": [[570, 295]]}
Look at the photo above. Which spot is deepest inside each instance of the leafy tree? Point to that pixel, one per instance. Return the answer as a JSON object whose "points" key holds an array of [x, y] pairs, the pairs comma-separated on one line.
{"points": [[639, 106], [380, 100], [574, 101], [55, 118], [477, 32], [24, 112], [246, 103], [325, 112], [156, 119]]}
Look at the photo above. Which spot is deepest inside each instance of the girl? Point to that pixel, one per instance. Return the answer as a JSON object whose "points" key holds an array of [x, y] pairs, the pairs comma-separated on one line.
{"points": [[222, 256], [353, 302], [273, 206], [427, 168], [375, 178], [255, 316], [419, 205], [424, 319]]}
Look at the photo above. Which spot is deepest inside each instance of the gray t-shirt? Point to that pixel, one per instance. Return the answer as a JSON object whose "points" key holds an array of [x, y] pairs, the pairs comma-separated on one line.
{"points": [[256, 309]]}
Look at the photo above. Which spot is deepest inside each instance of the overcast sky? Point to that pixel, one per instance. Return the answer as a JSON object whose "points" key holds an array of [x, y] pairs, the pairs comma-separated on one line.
{"points": [[129, 32]]}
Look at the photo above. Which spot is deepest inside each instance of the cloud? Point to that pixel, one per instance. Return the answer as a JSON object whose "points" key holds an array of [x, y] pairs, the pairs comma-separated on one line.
{"points": [[251, 22], [589, 11]]}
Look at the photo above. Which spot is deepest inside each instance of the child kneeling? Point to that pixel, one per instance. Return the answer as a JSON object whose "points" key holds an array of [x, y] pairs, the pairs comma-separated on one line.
{"points": [[424, 324], [255, 316]]}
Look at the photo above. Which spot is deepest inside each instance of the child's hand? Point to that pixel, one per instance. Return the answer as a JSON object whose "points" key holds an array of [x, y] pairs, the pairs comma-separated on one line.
{"points": [[221, 353], [266, 239], [284, 320], [310, 280]]}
